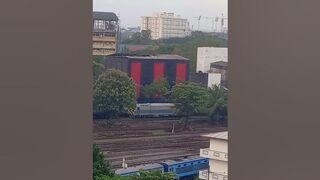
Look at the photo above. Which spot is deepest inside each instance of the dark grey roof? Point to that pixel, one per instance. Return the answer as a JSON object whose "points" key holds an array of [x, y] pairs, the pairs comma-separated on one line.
{"points": [[220, 63], [105, 16], [150, 57], [160, 56], [182, 160], [138, 168]]}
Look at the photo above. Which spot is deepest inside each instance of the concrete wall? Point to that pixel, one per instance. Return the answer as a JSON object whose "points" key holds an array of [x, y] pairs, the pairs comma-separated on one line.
{"points": [[214, 79], [208, 55]]}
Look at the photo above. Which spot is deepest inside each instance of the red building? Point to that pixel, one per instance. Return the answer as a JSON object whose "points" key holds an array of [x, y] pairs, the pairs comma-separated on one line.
{"points": [[147, 69]]}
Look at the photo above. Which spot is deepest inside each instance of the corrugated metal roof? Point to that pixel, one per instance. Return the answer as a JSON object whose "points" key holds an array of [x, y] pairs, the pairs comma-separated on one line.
{"points": [[220, 135], [138, 168], [182, 160], [160, 56], [105, 16]]}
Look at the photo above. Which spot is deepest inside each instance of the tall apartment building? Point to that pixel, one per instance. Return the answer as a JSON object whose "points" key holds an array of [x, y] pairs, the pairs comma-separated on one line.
{"points": [[105, 33], [217, 154], [165, 25]]}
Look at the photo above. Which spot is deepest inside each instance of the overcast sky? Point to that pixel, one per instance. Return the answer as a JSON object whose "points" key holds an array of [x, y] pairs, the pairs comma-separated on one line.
{"points": [[130, 11]]}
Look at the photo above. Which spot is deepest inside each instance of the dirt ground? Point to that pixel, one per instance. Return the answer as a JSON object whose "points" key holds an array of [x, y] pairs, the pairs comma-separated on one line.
{"points": [[150, 141]]}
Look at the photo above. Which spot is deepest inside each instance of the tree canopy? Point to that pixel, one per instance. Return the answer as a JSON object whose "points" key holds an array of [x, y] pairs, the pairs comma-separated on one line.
{"points": [[101, 168], [98, 66], [157, 90], [186, 46], [143, 37], [189, 99], [218, 103], [114, 93]]}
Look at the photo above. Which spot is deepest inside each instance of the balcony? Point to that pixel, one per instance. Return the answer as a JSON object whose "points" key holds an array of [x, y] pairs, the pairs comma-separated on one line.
{"points": [[103, 52], [103, 46], [211, 154], [205, 175], [104, 38]]}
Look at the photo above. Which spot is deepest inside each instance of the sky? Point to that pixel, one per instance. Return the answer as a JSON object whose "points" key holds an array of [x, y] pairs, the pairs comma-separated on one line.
{"points": [[130, 11]]}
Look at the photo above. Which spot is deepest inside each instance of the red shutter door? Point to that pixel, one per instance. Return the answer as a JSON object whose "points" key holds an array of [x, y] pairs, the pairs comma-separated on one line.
{"points": [[181, 72], [158, 71], [136, 75]]}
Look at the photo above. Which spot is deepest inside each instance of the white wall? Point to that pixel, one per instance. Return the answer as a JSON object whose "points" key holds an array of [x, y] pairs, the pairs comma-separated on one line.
{"points": [[207, 55], [219, 145], [214, 79], [218, 166]]}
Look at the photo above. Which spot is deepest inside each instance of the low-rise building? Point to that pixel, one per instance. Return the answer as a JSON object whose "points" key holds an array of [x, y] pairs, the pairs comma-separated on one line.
{"points": [[218, 157], [220, 67], [208, 55], [146, 69]]}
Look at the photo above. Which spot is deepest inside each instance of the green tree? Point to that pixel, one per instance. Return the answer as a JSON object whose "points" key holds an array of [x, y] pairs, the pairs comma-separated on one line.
{"points": [[98, 66], [114, 93], [101, 167], [98, 69], [146, 34], [218, 103], [153, 175], [189, 99], [143, 175], [157, 90], [143, 37]]}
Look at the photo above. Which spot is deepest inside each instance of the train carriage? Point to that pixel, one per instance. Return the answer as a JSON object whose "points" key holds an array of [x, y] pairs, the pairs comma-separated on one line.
{"points": [[155, 110], [131, 171]]}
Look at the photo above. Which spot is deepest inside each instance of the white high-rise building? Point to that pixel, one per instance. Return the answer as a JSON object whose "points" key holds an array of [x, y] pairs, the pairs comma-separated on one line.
{"points": [[218, 157], [165, 25]]}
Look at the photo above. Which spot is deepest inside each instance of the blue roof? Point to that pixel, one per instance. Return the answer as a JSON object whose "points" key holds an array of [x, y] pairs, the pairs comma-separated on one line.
{"points": [[183, 160]]}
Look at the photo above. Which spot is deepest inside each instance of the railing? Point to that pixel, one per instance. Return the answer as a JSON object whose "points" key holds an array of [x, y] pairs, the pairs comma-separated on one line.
{"points": [[103, 46], [104, 38], [217, 155], [103, 52], [206, 175], [203, 174]]}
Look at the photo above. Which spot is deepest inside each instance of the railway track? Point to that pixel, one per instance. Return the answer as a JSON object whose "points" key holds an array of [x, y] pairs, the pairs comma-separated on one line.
{"points": [[143, 142]]}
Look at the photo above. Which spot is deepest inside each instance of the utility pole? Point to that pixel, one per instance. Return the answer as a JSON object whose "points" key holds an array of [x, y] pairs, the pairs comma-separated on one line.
{"points": [[198, 18]]}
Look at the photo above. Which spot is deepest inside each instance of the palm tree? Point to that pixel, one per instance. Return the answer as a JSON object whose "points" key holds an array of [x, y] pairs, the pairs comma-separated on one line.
{"points": [[218, 103]]}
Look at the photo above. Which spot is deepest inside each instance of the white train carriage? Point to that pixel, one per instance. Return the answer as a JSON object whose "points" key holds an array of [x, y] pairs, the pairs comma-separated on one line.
{"points": [[155, 110]]}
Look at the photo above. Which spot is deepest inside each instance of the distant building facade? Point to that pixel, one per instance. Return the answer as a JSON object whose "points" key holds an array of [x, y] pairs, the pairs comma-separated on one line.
{"points": [[208, 55], [218, 157], [165, 25], [105, 33]]}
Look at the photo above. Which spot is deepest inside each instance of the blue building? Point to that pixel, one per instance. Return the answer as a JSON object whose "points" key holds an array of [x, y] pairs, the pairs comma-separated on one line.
{"points": [[185, 168]]}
